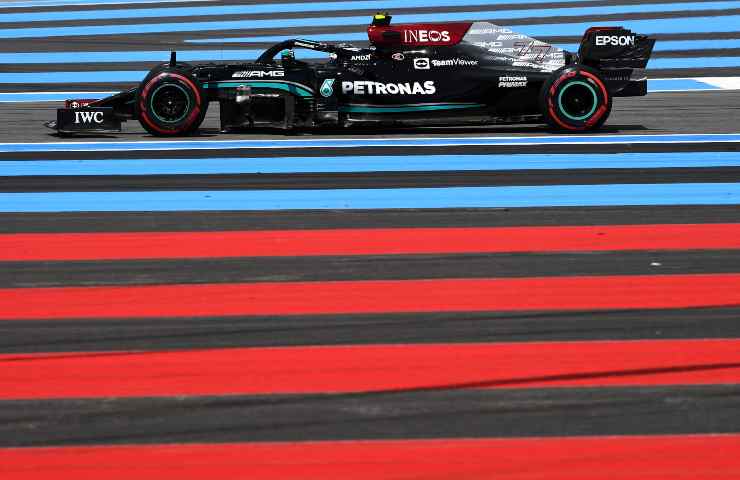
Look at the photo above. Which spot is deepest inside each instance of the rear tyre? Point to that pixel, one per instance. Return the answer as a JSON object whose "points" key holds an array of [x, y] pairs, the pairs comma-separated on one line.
{"points": [[170, 102], [575, 99]]}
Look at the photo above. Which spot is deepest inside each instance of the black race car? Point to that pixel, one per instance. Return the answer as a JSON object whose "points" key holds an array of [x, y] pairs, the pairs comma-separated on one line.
{"points": [[412, 74]]}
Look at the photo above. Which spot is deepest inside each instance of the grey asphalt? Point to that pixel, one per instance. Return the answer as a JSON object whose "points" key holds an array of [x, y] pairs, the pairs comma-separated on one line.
{"points": [[398, 415], [658, 113], [403, 414]]}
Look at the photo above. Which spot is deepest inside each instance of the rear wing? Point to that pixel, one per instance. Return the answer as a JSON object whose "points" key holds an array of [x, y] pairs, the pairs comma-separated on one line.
{"points": [[620, 56], [614, 47]]}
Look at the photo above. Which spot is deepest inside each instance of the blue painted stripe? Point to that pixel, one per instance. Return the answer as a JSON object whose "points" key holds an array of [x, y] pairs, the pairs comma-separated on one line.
{"points": [[210, 144], [671, 45], [730, 23], [80, 3], [143, 56], [135, 76], [678, 85], [660, 46], [716, 24], [690, 62], [366, 164], [350, 199], [122, 76], [318, 37], [719, 23], [49, 96], [196, 55], [246, 54], [274, 8]]}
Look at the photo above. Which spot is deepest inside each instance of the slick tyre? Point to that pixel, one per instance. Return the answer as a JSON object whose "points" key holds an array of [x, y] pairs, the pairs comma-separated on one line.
{"points": [[170, 102], [575, 99]]}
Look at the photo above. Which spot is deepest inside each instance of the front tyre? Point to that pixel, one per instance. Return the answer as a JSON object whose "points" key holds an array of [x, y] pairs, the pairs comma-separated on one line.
{"points": [[575, 99], [170, 102]]}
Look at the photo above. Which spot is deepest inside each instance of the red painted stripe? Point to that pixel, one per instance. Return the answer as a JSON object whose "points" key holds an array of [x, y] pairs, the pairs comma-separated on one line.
{"points": [[687, 457], [369, 368], [99, 246], [381, 296]]}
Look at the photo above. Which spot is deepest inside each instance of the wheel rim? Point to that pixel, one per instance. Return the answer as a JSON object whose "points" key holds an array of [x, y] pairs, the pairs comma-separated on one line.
{"points": [[170, 103], [578, 100]]}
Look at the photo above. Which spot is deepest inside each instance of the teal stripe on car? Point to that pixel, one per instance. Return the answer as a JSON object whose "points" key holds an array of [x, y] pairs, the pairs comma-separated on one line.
{"points": [[288, 87], [405, 108]]}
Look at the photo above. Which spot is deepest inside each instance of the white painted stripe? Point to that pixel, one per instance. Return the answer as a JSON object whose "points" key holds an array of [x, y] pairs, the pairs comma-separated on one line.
{"points": [[724, 83], [678, 85], [399, 141], [695, 84]]}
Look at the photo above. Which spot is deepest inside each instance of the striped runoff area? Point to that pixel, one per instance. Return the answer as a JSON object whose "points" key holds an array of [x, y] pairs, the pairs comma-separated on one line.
{"points": [[261, 24], [375, 198], [317, 307], [660, 456], [106, 45], [328, 142], [351, 305]]}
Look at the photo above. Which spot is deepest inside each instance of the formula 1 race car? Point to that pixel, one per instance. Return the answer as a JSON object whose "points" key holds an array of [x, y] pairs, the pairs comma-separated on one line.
{"points": [[414, 74]]}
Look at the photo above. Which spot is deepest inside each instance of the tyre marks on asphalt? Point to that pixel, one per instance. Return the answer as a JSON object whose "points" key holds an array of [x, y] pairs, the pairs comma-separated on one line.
{"points": [[369, 368], [452, 414], [178, 359]]}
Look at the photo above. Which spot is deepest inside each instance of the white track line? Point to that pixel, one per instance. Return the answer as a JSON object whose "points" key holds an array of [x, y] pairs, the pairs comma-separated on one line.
{"points": [[723, 83]]}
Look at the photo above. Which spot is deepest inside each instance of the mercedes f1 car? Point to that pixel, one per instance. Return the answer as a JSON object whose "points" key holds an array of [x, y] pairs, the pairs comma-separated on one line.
{"points": [[411, 74]]}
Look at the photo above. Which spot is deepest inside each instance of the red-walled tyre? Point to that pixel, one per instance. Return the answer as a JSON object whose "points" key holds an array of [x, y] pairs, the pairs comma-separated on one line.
{"points": [[575, 99], [170, 102]]}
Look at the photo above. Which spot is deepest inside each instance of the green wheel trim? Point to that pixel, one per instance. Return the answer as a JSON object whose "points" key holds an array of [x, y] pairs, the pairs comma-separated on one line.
{"points": [[593, 93], [154, 94]]}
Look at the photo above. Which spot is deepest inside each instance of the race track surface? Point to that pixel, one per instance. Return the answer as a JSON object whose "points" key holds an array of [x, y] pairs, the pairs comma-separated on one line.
{"points": [[659, 113], [498, 302]]}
